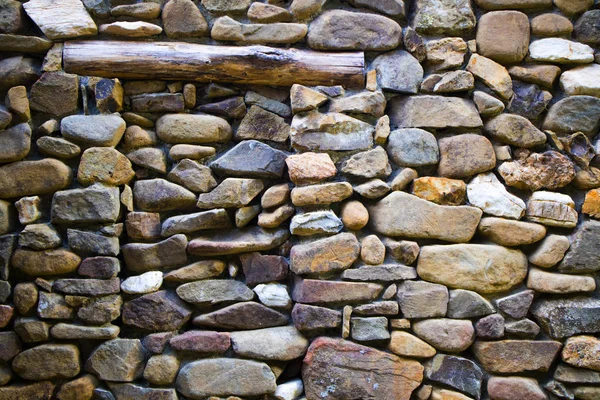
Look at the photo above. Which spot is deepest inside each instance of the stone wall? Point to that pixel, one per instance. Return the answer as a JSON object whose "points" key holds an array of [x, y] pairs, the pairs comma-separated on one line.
{"points": [[432, 235]]}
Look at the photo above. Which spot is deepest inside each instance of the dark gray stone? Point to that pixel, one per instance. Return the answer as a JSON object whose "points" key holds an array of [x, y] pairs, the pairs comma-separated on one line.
{"points": [[18, 70], [241, 316], [524, 328], [467, 304], [574, 114], [584, 254], [587, 28], [313, 318], [87, 287], [457, 372], [157, 312], [490, 327], [516, 305], [92, 244], [529, 100], [561, 318], [380, 273], [251, 159]]}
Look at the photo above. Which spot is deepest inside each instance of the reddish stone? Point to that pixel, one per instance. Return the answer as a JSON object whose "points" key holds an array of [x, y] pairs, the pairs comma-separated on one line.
{"points": [[259, 268], [156, 342], [201, 342]]}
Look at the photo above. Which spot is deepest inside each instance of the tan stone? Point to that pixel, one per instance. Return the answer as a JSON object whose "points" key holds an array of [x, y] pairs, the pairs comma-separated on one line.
{"points": [[552, 209], [591, 205], [274, 218], [492, 74], [503, 36], [515, 356], [445, 394], [543, 75], [105, 165], [443, 191], [551, 24], [372, 250], [161, 369], [323, 256], [228, 29], [450, 335], [325, 193], [465, 155], [550, 282], [582, 352], [407, 345], [511, 387], [307, 168], [507, 232]]}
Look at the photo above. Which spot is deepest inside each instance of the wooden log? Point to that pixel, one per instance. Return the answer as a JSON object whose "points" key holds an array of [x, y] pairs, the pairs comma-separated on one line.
{"points": [[258, 65]]}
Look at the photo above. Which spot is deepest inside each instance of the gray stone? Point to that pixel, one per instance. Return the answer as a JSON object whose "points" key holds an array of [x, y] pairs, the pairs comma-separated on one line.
{"points": [[93, 130], [456, 372], [315, 223], [516, 305], [369, 329], [157, 312], [88, 243], [468, 304], [380, 273], [583, 255], [87, 287], [161, 195], [308, 318], [398, 71], [18, 70], [129, 391], [435, 112], [17, 141], [447, 17], [58, 147], [39, 237], [228, 29], [283, 110], [96, 204], [252, 159], [189, 223], [528, 100], [245, 315], [490, 327], [574, 114], [514, 130], [561, 318], [12, 17], [587, 29], [238, 241], [413, 147], [193, 176], [261, 124], [183, 19], [214, 291], [524, 328], [419, 299], [142, 257], [117, 360], [275, 344]]}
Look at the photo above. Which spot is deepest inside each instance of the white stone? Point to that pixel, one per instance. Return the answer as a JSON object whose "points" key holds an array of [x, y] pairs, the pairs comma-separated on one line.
{"points": [[316, 222], [131, 29], [61, 19], [289, 390], [560, 51], [273, 295], [584, 80], [145, 283], [485, 191], [552, 209]]}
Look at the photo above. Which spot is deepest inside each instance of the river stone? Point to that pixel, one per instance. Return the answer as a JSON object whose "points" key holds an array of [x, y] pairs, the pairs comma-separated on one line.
{"points": [[58, 147], [561, 318], [418, 299], [515, 356], [513, 4], [147, 282], [583, 256], [45, 263], [39, 390], [581, 81], [488, 193], [314, 223], [189, 223], [61, 19], [214, 291], [93, 130], [278, 344], [307, 168], [360, 372], [225, 377], [574, 114], [16, 143], [450, 335], [156, 312], [137, 29], [48, 361], [313, 131], [443, 17], [587, 29], [477, 267], [561, 51], [117, 360], [252, 159], [494, 75], [398, 71], [548, 282], [18, 70], [457, 372], [192, 129], [413, 147], [406, 345], [265, 13], [511, 233], [468, 304], [435, 112], [238, 241], [262, 125], [534, 171], [245, 315], [312, 291], [76, 332], [550, 251], [143, 257], [26, 178], [361, 31], [515, 130], [230, 193], [161, 195], [380, 273], [96, 204], [419, 218], [183, 19], [228, 29], [324, 256], [505, 388], [503, 36], [104, 165]]}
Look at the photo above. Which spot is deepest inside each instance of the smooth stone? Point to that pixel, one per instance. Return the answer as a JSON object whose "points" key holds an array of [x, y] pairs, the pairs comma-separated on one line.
{"points": [[225, 377], [439, 17], [488, 193], [442, 112], [543, 75], [386, 307], [273, 295], [266, 13], [62, 19], [307, 168], [468, 304], [398, 71], [147, 282], [561, 51], [457, 372], [581, 81], [419, 224], [158, 102], [196, 271], [315, 223], [161, 195], [324, 256], [354, 215], [515, 356], [78, 332], [505, 388], [372, 189], [137, 29], [45, 263], [574, 114], [503, 36], [413, 147], [252, 159], [140, 10], [550, 251], [406, 345], [95, 204], [514, 130], [280, 343], [156, 312], [552, 209], [465, 155], [450, 335], [380, 273], [228, 29], [494, 75], [117, 360], [363, 31], [325, 193], [418, 299], [48, 361], [481, 268], [582, 256], [261, 124], [104, 165], [245, 315], [238, 241], [93, 130], [587, 29], [214, 292], [231, 193], [179, 152], [17, 142], [486, 104], [183, 19], [244, 215], [369, 329], [312, 291], [550, 170], [25, 178], [394, 377], [550, 24], [548, 282], [190, 223], [192, 129], [506, 232], [143, 257]]}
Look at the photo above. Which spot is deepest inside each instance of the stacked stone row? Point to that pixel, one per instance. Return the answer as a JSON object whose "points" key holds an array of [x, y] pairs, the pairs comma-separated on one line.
{"points": [[433, 235]]}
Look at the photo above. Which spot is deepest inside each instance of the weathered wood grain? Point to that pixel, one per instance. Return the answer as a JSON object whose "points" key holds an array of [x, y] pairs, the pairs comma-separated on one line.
{"points": [[259, 65]]}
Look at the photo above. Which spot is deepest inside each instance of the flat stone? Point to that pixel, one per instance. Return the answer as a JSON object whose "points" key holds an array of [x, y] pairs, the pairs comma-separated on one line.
{"points": [[159, 311], [96, 204], [567, 317], [238, 241], [193, 176], [503, 36], [25, 178], [368, 164], [372, 189], [53, 306], [161, 195], [494, 75], [380, 273], [261, 124], [143, 226], [315, 223], [93, 130], [442, 112], [511, 233], [445, 53], [143, 257], [311, 291], [388, 219], [465, 155], [271, 101], [245, 315], [90, 243], [308, 318], [543, 75], [137, 29], [587, 29], [561, 51], [231, 192], [48, 361], [515, 356], [324, 256], [514, 130], [369, 329], [504, 388], [363, 31], [189, 223], [567, 374], [582, 257], [552, 209], [18, 70], [457, 372], [325, 193], [550, 24], [307, 168], [45, 263], [406, 345], [233, 108], [413, 147], [548, 282], [581, 81], [266, 13], [39, 390], [448, 335], [145, 283], [140, 10], [63, 19], [386, 307], [196, 271], [179, 152], [129, 391], [260, 268], [418, 299], [183, 19], [398, 71], [488, 193], [87, 287], [225, 377], [279, 343], [468, 304], [472, 267], [443, 17], [394, 377], [549, 170], [252, 159], [202, 342], [117, 360], [192, 129], [214, 292], [313, 131], [77, 332], [228, 29], [101, 310], [449, 82], [524, 328], [83, 387]]}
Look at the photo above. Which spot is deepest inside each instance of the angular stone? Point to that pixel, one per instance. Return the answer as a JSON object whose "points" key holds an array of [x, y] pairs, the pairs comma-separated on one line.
{"points": [[18, 70], [457, 372], [414, 218], [189, 223], [394, 377], [93, 130], [238, 241], [380, 273], [128, 391], [273, 295], [160, 311], [143, 225], [141, 257], [48, 361], [63, 19], [196, 271], [279, 343], [561, 51], [581, 352], [513, 4], [225, 377], [369, 329], [567, 317], [13, 17], [446, 53], [77, 332], [587, 29], [494, 75], [574, 114], [96, 204], [549, 170], [228, 29], [406, 345], [413, 147], [313, 131], [316, 222], [524, 328], [313, 319], [260, 268], [310, 167], [443, 17], [214, 292], [203, 342], [504, 388], [39, 390], [503, 36], [435, 112], [324, 256], [422, 299], [442, 191], [487, 105], [529, 100], [183, 19], [101, 310], [265, 13], [552, 209], [33, 178], [582, 257], [252, 159], [481, 268], [44, 263], [514, 130], [362, 32], [490, 327], [117, 360], [581, 81], [245, 315], [161, 195], [467, 304], [511, 233], [516, 305], [543, 75], [398, 71], [450, 335], [104, 165], [325, 193], [53, 306], [192, 129], [260, 124], [486, 192], [515, 356], [87, 287], [311, 291], [231, 192], [193, 175], [368, 164], [88, 243], [372, 189]]}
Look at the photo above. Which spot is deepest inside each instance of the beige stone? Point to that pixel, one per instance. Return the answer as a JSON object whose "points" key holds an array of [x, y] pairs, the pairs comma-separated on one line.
{"points": [[355, 215], [503, 36], [492, 74], [325, 193], [307, 168], [550, 282], [582, 352], [507, 232], [372, 250], [407, 345], [443, 191], [552, 209]]}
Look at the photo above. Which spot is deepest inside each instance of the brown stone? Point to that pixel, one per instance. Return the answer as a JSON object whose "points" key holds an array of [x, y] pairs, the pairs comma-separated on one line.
{"points": [[52, 86], [308, 168], [325, 193], [48, 361], [260, 268], [244, 315], [543, 75], [582, 352], [515, 356], [206, 342], [45, 263], [443, 191], [507, 232], [514, 387], [104, 165], [324, 256], [503, 36], [550, 24], [494, 75], [448, 335], [196, 271], [591, 205], [143, 225], [183, 19], [465, 155], [25, 178], [311, 291]]}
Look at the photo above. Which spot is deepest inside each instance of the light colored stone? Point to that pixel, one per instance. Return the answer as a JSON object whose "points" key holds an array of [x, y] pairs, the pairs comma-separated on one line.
{"points": [[534, 171], [93, 130], [413, 147], [550, 251], [418, 299], [562, 51], [446, 53], [442, 191], [238, 241], [443, 17], [145, 283], [549, 282], [280, 343], [231, 192], [310, 167], [488, 193], [47, 361], [515, 130], [137, 29], [183, 19], [581, 81], [273, 295], [506, 232], [435, 112], [487, 105], [62, 19], [552, 209], [104, 165], [506, 388], [406, 345], [398, 71], [503, 36], [451, 335], [192, 129], [325, 193], [303, 98], [323, 256], [492, 74], [316, 222], [228, 29], [465, 155]]}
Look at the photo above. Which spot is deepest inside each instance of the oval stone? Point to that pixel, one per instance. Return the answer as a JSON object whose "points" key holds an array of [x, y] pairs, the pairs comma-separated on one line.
{"points": [[27, 178]]}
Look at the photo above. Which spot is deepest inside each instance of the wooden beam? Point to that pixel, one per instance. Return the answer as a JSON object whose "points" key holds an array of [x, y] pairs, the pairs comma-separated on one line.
{"points": [[258, 65]]}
